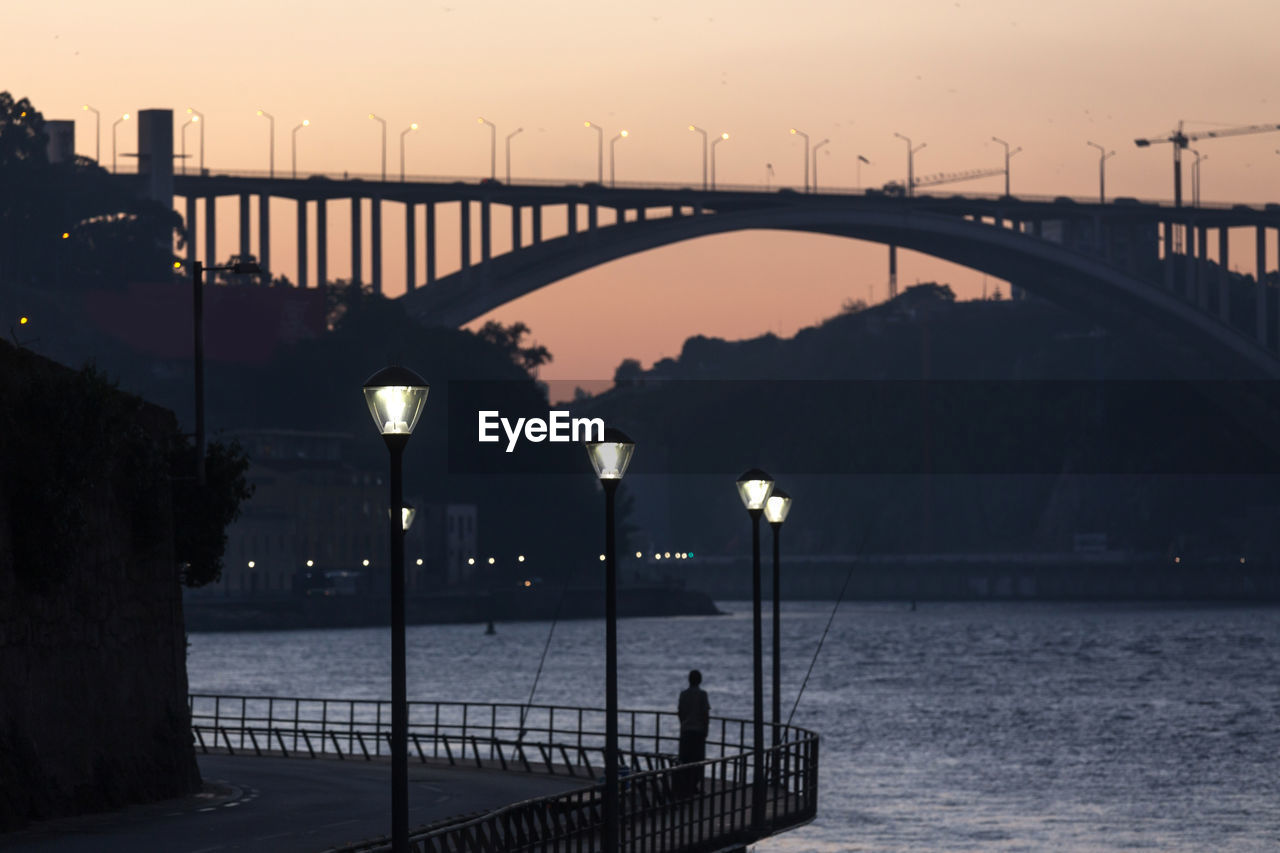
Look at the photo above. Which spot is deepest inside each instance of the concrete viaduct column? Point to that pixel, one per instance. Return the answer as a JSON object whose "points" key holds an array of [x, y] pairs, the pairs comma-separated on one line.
{"points": [[375, 243], [191, 228], [1202, 267], [465, 229], [302, 242], [573, 219], [592, 217], [410, 245], [1261, 312], [431, 243], [244, 224], [1168, 256], [517, 225], [322, 242], [485, 230], [1189, 263], [1224, 287], [537, 224], [210, 230], [264, 232], [357, 262]]}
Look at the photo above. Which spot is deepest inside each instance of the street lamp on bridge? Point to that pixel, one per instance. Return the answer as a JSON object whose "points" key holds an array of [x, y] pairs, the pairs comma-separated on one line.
{"points": [[185, 125], [815, 162], [293, 145], [721, 138], [755, 487], [114, 124], [1007, 156], [858, 171], [1103, 156], [97, 133], [412, 127], [382, 122], [610, 457], [704, 153], [199, 118], [493, 146], [396, 397], [621, 135], [795, 132], [911, 162], [599, 149], [508, 147], [271, 148]]}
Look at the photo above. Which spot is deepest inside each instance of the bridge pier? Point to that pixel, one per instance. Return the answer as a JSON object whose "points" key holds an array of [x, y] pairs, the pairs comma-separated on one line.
{"points": [[210, 230], [1261, 294], [485, 220], [1224, 288], [1202, 267], [464, 220], [517, 215], [244, 224], [375, 242], [322, 242], [572, 220], [537, 224], [264, 233], [302, 242], [430, 247], [410, 244], [592, 219], [357, 261], [191, 228], [1168, 255]]}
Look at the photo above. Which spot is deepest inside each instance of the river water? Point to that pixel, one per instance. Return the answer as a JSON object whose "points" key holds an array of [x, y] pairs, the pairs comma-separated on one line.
{"points": [[990, 726]]}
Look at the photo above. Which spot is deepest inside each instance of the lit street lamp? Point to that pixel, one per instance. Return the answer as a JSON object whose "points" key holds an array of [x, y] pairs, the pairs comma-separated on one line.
{"points": [[271, 159], [609, 458], [776, 509], [97, 133], [114, 124], [815, 162], [704, 153], [1007, 156], [199, 117], [408, 129], [754, 487], [188, 122], [1103, 156], [911, 163], [599, 149], [621, 135], [721, 138], [493, 146], [294, 145], [382, 122], [508, 145], [396, 397], [197, 318], [795, 132]]}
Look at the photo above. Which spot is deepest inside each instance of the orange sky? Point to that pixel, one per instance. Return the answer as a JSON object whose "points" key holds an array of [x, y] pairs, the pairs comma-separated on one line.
{"points": [[1045, 76]]}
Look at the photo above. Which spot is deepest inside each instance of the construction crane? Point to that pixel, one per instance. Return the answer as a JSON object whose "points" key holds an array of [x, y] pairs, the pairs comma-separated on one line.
{"points": [[1181, 140], [956, 177]]}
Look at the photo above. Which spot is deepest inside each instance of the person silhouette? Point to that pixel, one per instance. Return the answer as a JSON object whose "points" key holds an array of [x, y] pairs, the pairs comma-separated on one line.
{"points": [[694, 710]]}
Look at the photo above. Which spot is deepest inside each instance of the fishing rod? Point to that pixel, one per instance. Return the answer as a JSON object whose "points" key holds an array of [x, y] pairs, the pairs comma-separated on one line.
{"points": [[546, 647], [848, 577]]}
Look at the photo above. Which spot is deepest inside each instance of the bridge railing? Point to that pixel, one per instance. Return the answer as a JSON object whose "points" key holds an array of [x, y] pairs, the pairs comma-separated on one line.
{"points": [[663, 805]]}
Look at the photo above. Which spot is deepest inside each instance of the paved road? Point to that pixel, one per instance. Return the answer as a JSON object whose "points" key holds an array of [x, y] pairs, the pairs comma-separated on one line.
{"points": [[282, 805]]}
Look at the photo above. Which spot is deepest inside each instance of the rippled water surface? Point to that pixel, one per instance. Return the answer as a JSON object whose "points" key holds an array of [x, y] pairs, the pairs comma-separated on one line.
{"points": [[953, 727]]}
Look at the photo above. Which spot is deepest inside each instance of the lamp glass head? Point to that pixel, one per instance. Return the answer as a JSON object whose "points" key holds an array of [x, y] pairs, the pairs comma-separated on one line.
{"points": [[396, 397], [407, 515], [611, 456], [777, 507], [754, 487]]}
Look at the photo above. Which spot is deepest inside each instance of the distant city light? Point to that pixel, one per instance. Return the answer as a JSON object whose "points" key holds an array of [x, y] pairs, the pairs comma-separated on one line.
{"points": [[1242, 561], [602, 558], [419, 561], [365, 562], [520, 558], [657, 556], [638, 555], [251, 564], [491, 561], [22, 321], [1177, 559], [66, 234], [310, 563], [528, 583], [667, 554], [471, 561]]}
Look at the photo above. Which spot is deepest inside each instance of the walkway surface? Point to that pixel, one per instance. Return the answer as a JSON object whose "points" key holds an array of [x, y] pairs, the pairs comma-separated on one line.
{"points": [[283, 805]]}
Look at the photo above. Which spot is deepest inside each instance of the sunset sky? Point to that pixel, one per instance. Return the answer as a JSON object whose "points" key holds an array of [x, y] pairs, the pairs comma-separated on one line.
{"points": [[1045, 76]]}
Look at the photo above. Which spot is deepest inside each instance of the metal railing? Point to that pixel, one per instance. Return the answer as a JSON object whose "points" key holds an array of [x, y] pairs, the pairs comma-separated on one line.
{"points": [[664, 805]]}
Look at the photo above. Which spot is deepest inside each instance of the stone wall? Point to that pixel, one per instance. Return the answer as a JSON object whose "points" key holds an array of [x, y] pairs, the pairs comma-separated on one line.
{"points": [[93, 677]]}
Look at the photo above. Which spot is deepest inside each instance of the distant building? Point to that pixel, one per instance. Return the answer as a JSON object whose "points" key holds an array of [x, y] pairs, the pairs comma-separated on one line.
{"points": [[315, 520]]}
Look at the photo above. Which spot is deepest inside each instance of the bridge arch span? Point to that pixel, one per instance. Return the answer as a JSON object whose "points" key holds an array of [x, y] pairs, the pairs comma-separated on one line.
{"points": [[1112, 297]]}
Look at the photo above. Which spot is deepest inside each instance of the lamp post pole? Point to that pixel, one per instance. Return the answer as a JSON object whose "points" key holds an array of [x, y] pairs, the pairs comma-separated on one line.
{"points": [[754, 488], [396, 397], [382, 122], [271, 158], [721, 138], [1103, 156], [1008, 155], [858, 178], [621, 135], [599, 149], [408, 129], [815, 162], [776, 509], [185, 125], [911, 163], [294, 145], [610, 458], [114, 125], [493, 146], [97, 133], [806, 155], [704, 153], [199, 119], [508, 147]]}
